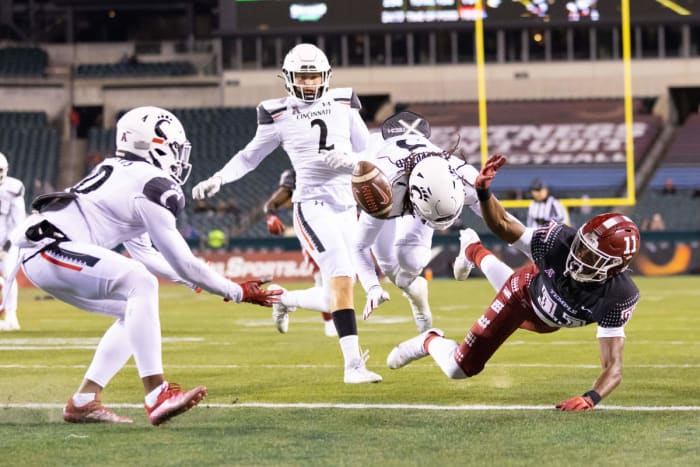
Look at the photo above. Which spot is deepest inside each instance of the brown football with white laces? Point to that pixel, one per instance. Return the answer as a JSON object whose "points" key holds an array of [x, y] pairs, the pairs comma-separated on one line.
{"points": [[372, 190]]}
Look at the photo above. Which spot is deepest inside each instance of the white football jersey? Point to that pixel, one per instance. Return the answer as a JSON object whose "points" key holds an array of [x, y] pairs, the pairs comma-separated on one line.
{"points": [[397, 156], [12, 208], [105, 214], [304, 130]]}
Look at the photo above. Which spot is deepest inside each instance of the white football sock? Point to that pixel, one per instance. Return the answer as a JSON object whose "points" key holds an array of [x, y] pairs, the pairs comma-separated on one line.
{"points": [[311, 299], [496, 271], [443, 350], [112, 353], [152, 397], [350, 345], [143, 325], [81, 399]]}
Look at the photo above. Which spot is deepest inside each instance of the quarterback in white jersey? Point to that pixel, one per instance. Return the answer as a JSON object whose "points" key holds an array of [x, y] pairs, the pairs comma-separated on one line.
{"points": [[12, 213], [66, 250], [429, 189], [310, 122]]}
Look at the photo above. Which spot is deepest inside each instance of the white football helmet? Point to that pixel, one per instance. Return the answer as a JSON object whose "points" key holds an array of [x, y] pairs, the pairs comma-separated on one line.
{"points": [[436, 193], [306, 58], [4, 167], [156, 135]]}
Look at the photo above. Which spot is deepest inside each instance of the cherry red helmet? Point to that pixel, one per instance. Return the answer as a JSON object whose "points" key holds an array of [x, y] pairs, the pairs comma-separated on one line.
{"points": [[603, 247]]}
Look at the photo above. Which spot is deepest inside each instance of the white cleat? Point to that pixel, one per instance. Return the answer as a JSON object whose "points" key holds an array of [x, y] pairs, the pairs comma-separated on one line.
{"points": [[462, 266], [329, 328], [357, 372], [410, 350], [280, 312], [417, 295], [6, 325]]}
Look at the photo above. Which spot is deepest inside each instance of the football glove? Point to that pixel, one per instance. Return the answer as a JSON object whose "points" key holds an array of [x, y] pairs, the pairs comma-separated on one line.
{"points": [[488, 171], [339, 160], [375, 297], [207, 188], [576, 404], [253, 293], [274, 225]]}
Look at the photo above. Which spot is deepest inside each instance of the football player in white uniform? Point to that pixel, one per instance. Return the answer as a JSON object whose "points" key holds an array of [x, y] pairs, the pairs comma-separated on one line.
{"points": [[312, 298], [311, 121], [66, 250], [12, 213], [429, 189]]}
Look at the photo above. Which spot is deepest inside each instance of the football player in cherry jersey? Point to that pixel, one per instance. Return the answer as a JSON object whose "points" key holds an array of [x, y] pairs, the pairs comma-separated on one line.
{"points": [[310, 121], [429, 188], [578, 278], [132, 199], [311, 298], [12, 214]]}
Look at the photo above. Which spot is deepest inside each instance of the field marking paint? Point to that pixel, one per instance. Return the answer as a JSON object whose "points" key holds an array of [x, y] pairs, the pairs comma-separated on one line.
{"points": [[234, 366], [331, 405]]}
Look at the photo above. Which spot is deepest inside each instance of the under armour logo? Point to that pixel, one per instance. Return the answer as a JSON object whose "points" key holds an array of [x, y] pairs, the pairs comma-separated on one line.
{"points": [[411, 128]]}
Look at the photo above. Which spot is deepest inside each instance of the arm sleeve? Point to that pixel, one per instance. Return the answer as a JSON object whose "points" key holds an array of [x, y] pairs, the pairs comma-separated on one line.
{"points": [[160, 224], [18, 211], [359, 134], [141, 249], [368, 229], [263, 143], [524, 243]]}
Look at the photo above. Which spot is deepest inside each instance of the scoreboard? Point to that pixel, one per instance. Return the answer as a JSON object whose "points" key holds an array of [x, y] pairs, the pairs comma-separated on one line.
{"points": [[280, 16]]}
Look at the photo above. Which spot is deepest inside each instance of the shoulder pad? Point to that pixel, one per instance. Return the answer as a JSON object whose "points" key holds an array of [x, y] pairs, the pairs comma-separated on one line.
{"points": [[345, 96], [269, 110], [288, 179], [165, 192], [14, 186]]}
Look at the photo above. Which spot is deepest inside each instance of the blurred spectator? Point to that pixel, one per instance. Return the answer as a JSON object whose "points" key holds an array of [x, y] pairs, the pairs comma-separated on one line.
{"points": [[91, 160], [191, 236], [42, 187], [656, 223], [544, 207], [669, 187], [696, 193]]}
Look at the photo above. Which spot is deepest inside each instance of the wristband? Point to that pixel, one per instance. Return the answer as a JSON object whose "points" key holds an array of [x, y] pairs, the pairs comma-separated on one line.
{"points": [[595, 397], [483, 194]]}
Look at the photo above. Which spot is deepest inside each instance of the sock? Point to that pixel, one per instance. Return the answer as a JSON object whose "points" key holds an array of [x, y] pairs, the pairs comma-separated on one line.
{"points": [[496, 271], [81, 399], [443, 350], [350, 346], [152, 397], [311, 299], [476, 252]]}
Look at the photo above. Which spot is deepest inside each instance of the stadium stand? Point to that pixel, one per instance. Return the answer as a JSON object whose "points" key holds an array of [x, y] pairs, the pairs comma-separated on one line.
{"points": [[22, 62], [32, 148], [132, 70]]}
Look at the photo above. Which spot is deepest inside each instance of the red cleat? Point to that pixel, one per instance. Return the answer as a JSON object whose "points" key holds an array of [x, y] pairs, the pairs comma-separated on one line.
{"points": [[173, 401], [93, 412]]}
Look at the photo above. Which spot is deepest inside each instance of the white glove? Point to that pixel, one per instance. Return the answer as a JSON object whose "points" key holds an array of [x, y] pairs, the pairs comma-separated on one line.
{"points": [[339, 160], [207, 188], [375, 297]]}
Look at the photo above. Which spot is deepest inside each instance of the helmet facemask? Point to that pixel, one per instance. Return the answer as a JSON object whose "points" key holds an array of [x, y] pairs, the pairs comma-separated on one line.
{"points": [[304, 62], [587, 263]]}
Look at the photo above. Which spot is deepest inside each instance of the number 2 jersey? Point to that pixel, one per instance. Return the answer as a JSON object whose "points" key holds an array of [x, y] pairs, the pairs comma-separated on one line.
{"points": [[304, 130], [560, 301]]}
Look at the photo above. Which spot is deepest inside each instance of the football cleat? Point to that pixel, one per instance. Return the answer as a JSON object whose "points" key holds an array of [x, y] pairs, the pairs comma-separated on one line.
{"points": [[462, 266], [357, 373], [92, 412], [410, 350], [280, 312], [9, 325], [417, 295], [173, 401]]}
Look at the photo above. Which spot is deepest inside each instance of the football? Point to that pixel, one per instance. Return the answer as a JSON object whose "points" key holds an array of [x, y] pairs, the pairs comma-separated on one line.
{"points": [[371, 189]]}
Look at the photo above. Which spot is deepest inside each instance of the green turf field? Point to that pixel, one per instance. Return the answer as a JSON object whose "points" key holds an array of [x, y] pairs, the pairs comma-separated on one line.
{"points": [[279, 399]]}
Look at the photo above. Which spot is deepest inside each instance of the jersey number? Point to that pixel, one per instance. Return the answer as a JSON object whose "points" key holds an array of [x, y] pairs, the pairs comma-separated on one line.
{"points": [[94, 181], [324, 134]]}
